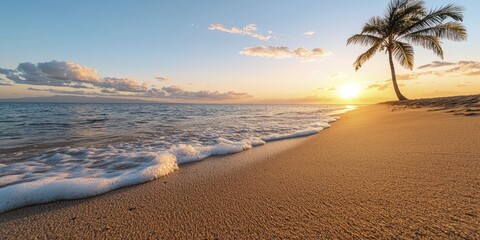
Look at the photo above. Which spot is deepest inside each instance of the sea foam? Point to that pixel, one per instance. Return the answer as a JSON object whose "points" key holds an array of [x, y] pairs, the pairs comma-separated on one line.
{"points": [[74, 173], [80, 172], [62, 186]]}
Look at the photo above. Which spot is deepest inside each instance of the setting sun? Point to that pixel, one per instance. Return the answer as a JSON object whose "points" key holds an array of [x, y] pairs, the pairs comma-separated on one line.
{"points": [[349, 91]]}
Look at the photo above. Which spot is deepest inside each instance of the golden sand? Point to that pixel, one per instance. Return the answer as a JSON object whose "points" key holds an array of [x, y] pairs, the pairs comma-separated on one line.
{"points": [[376, 173]]}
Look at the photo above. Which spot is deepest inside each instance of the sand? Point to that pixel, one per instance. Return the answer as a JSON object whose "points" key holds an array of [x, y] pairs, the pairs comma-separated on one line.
{"points": [[458, 105], [377, 173]]}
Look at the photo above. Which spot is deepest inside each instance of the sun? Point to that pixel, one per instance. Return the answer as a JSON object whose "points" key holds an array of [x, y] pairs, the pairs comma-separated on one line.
{"points": [[349, 91]]}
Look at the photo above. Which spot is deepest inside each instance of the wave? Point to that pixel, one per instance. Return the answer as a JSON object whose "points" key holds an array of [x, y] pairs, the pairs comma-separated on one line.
{"points": [[72, 173]]}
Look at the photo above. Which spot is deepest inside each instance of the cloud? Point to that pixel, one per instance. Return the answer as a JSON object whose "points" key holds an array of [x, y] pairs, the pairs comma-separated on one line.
{"points": [[309, 34], [171, 92], [163, 79], [173, 89], [67, 74], [71, 75], [314, 99], [327, 88], [411, 76], [473, 73], [108, 91], [180, 93], [67, 71], [4, 82], [465, 68], [80, 86], [249, 30], [339, 74], [332, 89], [461, 68], [52, 73], [380, 86], [436, 64], [56, 91], [122, 84], [285, 52]]}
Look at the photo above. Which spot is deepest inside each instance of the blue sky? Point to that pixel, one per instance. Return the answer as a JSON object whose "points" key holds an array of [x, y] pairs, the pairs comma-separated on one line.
{"points": [[142, 40]]}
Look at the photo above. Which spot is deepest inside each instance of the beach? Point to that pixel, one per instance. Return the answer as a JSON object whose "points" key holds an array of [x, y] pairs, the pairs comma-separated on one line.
{"points": [[382, 171]]}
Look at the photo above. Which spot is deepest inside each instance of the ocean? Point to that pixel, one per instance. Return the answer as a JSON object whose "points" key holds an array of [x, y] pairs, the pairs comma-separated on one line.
{"points": [[53, 151]]}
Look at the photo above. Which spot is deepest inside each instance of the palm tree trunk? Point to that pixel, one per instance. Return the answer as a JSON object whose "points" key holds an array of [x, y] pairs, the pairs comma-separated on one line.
{"points": [[394, 78]]}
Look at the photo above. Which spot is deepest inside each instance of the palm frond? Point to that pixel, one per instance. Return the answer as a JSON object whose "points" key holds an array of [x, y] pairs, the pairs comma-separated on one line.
{"points": [[366, 56], [452, 11], [403, 52], [451, 30], [393, 7], [374, 26], [412, 9], [406, 23], [435, 17], [429, 42], [364, 39]]}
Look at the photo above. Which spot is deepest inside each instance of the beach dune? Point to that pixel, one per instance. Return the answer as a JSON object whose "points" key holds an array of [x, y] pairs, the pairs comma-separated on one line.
{"points": [[382, 171]]}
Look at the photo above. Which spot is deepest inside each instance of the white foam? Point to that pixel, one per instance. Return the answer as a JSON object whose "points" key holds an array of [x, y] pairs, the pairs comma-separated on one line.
{"points": [[79, 173], [188, 153], [71, 173], [302, 133], [61, 187]]}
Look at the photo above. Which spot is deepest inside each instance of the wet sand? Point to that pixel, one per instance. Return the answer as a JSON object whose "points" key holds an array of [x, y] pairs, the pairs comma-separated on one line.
{"points": [[379, 172]]}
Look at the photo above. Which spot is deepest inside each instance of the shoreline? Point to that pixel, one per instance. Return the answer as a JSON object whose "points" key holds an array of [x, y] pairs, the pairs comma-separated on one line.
{"points": [[164, 163], [274, 147], [347, 181]]}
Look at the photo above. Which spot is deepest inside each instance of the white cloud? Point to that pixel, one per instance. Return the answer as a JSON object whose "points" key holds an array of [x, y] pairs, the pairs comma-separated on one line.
{"points": [[309, 34], [69, 71], [285, 52], [249, 30]]}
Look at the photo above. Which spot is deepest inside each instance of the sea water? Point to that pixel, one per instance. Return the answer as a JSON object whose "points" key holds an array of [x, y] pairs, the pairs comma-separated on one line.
{"points": [[51, 151]]}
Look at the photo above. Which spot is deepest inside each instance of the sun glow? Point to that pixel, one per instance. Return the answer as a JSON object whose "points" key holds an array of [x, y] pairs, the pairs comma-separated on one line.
{"points": [[349, 91]]}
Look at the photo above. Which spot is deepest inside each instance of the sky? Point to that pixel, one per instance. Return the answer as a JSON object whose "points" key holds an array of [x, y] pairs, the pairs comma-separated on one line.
{"points": [[269, 51]]}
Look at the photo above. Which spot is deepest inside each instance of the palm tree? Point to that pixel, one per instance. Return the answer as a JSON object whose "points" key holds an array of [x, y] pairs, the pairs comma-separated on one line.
{"points": [[406, 23]]}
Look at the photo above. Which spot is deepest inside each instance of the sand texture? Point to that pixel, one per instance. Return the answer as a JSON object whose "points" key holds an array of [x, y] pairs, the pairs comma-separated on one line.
{"points": [[376, 173], [458, 105]]}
